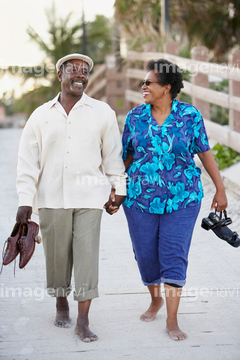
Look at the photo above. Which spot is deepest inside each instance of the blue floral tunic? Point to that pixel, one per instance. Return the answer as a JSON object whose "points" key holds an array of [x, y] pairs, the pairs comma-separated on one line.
{"points": [[163, 176]]}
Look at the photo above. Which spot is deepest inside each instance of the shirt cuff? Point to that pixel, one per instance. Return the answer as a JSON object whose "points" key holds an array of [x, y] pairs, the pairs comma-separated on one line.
{"points": [[121, 190], [25, 200], [119, 184]]}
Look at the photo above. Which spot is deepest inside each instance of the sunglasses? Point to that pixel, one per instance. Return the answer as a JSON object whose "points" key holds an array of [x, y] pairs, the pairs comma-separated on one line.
{"points": [[148, 82]]}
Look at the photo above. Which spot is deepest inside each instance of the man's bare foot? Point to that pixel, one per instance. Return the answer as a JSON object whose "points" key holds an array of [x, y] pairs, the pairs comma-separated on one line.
{"points": [[62, 316], [83, 330], [174, 332], [153, 309]]}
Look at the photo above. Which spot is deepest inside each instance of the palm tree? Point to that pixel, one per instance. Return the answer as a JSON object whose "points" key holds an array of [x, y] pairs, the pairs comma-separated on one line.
{"points": [[63, 39], [99, 38], [140, 20], [215, 24]]}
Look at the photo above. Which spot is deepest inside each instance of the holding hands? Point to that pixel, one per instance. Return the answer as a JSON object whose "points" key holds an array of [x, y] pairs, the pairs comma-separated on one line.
{"points": [[114, 202]]}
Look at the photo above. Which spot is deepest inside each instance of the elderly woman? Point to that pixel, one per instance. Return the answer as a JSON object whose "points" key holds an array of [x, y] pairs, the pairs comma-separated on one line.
{"points": [[164, 193]]}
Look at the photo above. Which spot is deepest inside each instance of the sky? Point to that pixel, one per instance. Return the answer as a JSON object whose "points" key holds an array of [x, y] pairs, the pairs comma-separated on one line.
{"points": [[16, 15]]}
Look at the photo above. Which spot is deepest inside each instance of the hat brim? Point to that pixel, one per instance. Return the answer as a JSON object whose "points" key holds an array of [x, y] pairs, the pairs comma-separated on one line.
{"points": [[82, 57]]}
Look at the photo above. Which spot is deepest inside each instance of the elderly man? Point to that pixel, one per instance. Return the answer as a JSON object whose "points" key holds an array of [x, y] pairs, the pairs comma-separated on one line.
{"points": [[70, 148]]}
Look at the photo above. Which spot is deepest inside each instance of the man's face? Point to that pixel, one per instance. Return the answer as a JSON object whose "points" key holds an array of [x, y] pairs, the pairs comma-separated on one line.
{"points": [[74, 77]]}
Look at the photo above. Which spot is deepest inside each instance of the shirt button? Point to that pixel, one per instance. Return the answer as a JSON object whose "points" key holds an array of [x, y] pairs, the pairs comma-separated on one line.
{"points": [[67, 152], [69, 137], [65, 167], [69, 122]]}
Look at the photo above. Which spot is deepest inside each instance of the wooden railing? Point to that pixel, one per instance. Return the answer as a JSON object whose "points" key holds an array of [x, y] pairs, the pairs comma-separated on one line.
{"points": [[102, 86], [96, 87], [202, 96], [213, 97], [108, 83]]}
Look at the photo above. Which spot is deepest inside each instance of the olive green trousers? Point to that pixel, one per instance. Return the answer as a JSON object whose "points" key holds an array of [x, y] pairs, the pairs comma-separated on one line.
{"points": [[71, 242]]}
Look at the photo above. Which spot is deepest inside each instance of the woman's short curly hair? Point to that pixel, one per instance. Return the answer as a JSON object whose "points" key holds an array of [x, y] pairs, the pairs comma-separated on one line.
{"points": [[167, 74]]}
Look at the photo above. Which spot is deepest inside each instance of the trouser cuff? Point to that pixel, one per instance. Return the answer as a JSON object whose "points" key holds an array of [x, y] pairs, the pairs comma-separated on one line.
{"points": [[179, 283], [59, 292], [85, 295]]}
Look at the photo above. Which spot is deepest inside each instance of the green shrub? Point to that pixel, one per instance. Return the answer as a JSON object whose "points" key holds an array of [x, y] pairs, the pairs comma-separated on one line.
{"points": [[185, 98], [224, 156], [219, 114]]}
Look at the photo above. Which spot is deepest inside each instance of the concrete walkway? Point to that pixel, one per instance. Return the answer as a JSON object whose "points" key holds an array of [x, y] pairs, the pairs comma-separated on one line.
{"points": [[209, 310]]}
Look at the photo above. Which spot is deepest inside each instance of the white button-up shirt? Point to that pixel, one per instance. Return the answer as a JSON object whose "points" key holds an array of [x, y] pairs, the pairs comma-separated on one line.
{"points": [[67, 161]]}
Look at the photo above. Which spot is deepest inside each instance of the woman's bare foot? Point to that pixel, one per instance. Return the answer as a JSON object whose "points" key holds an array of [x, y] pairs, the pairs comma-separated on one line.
{"points": [[174, 332], [83, 330], [62, 316], [153, 309]]}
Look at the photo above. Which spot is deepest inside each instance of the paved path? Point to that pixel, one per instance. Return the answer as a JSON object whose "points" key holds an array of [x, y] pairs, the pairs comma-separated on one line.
{"points": [[209, 310]]}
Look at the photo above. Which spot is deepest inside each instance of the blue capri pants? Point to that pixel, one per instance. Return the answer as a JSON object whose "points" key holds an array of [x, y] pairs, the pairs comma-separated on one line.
{"points": [[161, 243]]}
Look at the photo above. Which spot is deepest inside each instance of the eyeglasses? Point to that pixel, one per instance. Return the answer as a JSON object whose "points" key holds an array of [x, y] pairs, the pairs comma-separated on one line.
{"points": [[148, 82]]}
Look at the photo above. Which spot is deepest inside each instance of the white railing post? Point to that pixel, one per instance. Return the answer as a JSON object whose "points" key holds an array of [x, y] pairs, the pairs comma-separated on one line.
{"points": [[200, 53], [234, 90], [149, 47], [115, 85], [171, 47]]}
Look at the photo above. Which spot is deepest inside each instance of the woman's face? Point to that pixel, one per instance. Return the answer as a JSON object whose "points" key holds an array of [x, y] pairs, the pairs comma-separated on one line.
{"points": [[154, 92]]}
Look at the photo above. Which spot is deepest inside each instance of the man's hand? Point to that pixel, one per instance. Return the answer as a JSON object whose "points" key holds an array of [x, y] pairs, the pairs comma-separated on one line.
{"points": [[24, 214], [114, 202]]}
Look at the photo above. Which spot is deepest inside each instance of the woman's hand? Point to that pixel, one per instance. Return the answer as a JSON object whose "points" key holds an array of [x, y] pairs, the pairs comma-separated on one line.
{"points": [[114, 202], [219, 201], [128, 161]]}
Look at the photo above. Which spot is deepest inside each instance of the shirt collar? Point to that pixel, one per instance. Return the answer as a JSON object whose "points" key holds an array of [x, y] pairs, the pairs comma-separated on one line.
{"points": [[147, 108], [85, 100]]}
